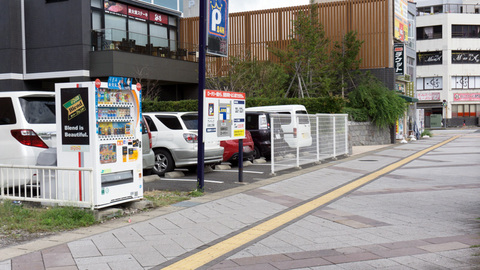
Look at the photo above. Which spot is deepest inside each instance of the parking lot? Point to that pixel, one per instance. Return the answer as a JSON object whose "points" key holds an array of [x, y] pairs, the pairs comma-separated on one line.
{"points": [[217, 179]]}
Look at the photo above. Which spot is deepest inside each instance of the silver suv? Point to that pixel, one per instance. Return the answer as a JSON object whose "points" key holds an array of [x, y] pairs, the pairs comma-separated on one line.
{"points": [[174, 139]]}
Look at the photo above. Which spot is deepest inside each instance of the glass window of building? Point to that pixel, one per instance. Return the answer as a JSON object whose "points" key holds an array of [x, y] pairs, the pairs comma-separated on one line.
{"points": [[96, 20], [173, 39], [172, 21], [158, 35], [465, 31], [423, 10], [465, 57], [429, 58], [430, 83], [429, 32], [465, 82], [172, 4], [97, 3], [137, 30], [115, 27], [437, 9]]}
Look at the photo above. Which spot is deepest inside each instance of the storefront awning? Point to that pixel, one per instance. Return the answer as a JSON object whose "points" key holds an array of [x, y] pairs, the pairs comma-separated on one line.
{"points": [[408, 99]]}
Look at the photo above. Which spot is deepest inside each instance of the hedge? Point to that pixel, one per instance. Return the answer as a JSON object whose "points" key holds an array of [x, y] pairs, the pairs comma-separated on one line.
{"points": [[330, 104]]}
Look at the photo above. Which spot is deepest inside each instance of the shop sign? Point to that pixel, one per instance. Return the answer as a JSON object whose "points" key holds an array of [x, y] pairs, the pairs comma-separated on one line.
{"points": [[217, 28], [429, 58], [466, 97], [115, 8], [401, 20], [158, 18], [465, 57], [400, 87], [399, 59], [429, 96], [138, 13]]}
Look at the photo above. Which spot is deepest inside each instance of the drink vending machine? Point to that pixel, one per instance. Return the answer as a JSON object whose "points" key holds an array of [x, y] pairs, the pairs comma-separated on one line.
{"points": [[100, 128]]}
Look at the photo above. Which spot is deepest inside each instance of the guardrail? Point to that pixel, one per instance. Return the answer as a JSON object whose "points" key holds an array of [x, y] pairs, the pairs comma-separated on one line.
{"points": [[312, 139], [49, 185]]}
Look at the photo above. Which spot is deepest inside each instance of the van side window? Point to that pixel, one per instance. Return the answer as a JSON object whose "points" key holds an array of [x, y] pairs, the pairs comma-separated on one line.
{"points": [[252, 121], [302, 117], [170, 122], [7, 114], [285, 120]]}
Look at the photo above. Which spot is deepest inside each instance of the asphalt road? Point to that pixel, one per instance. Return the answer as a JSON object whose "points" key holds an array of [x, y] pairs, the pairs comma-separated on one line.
{"points": [[216, 180]]}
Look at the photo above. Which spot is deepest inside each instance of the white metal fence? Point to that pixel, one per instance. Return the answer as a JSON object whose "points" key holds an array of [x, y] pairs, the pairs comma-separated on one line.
{"points": [[53, 185], [306, 139]]}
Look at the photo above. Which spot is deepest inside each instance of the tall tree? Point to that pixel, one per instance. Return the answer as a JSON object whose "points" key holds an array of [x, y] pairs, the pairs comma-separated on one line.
{"points": [[253, 77], [306, 58], [346, 63]]}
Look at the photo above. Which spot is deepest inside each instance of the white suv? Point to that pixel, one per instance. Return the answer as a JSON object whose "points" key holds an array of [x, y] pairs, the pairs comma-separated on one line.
{"points": [[27, 127], [174, 136]]}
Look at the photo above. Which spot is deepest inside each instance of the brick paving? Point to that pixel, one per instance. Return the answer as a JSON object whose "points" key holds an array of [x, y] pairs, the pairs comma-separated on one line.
{"points": [[423, 215]]}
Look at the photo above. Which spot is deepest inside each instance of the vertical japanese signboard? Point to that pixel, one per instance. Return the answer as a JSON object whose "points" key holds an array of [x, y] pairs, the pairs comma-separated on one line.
{"points": [[217, 28], [401, 20], [224, 115], [399, 59]]}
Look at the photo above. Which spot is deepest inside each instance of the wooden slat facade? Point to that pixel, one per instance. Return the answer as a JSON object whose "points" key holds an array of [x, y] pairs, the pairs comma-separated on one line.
{"points": [[255, 31]]}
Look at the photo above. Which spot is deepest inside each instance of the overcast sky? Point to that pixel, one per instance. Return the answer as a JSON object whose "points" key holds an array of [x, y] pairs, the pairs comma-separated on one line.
{"points": [[246, 5]]}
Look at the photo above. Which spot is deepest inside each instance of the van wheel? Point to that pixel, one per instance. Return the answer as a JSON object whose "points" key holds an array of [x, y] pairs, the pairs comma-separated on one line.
{"points": [[163, 162], [256, 153]]}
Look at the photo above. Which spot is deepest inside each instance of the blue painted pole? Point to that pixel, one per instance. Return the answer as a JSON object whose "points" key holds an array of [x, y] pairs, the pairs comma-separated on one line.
{"points": [[201, 86]]}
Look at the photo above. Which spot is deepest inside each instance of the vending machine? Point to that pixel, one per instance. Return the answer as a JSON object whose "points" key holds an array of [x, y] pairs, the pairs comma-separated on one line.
{"points": [[100, 128]]}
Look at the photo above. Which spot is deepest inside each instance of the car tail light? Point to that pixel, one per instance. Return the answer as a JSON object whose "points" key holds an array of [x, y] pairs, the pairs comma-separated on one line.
{"points": [[190, 137], [28, 137], [294, 132]]}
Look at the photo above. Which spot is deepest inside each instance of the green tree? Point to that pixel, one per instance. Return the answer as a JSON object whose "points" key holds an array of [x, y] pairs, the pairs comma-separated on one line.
{"points": [[346, 63], [306, 58], [252, 77], [383, 106]]}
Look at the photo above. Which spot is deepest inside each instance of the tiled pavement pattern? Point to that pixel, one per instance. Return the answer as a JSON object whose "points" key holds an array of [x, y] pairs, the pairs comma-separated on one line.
{"points": [[420, 216]]}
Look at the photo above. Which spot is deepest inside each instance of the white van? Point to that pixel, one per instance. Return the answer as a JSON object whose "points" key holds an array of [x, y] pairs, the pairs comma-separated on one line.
{"points": [[296, 127]]}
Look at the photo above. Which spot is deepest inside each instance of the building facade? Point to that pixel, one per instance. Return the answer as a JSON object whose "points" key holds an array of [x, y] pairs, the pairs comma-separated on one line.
{"points": [[448, 62], [50, 41]]}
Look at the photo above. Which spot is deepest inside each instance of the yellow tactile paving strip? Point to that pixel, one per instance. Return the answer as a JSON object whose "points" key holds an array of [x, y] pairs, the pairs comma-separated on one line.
{"points": [[207, 255]]}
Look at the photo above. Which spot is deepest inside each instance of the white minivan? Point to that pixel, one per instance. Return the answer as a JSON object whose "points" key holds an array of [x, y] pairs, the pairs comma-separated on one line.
{"points": [[27, 127], [294, 122]]}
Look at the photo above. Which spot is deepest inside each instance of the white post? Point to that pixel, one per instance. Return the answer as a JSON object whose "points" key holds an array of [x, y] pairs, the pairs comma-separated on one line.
{"points": [[90, 179], [272, 144], [298, 144], [346, 134], [334, 137], [318, 138]]}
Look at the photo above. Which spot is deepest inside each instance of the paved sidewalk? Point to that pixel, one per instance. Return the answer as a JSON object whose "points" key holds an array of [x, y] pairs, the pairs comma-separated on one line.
{"points": [[423, 215]]}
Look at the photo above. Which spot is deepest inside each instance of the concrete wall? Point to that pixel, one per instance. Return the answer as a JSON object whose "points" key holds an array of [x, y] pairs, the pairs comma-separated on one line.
{"points": [[366, 133]]}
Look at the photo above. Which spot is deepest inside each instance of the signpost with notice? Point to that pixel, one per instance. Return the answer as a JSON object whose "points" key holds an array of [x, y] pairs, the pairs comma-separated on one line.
{"points": [[224, 115]]}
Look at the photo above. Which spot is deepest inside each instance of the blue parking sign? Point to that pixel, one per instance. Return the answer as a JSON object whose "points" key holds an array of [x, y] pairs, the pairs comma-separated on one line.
{"points": [[218, 27]]}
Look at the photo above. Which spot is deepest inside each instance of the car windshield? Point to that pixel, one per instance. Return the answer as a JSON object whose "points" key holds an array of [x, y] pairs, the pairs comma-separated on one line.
{"points": [[191, 121], [38, 110]]}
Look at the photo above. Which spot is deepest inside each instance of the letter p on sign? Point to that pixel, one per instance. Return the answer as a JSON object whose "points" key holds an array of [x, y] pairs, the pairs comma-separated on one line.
{"points": [[216, 19]]}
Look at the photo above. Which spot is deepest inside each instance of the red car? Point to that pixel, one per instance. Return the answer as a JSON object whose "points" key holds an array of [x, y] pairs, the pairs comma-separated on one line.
{"points": [[230, 153]]}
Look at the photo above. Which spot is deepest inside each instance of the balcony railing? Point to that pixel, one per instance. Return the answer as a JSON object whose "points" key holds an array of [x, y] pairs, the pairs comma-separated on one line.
{"points": [[120, 40], [449, 8]]}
